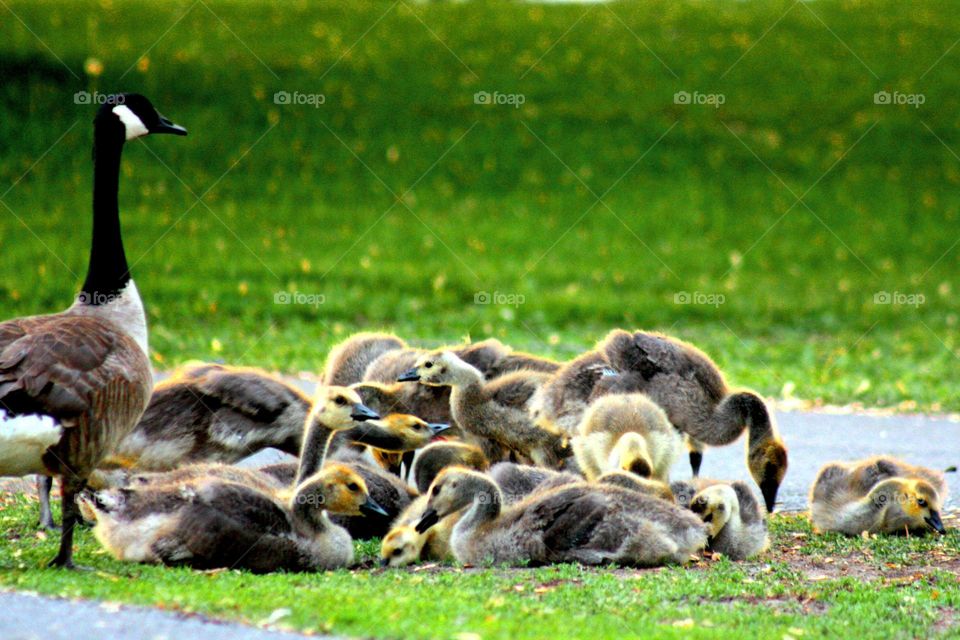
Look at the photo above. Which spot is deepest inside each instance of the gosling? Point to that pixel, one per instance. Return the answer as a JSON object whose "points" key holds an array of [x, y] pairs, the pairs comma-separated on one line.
{"points": [[737, 522], [626, 432], [686, 384], [877, 495], [589, 524], [495, 410], [435, 457]]}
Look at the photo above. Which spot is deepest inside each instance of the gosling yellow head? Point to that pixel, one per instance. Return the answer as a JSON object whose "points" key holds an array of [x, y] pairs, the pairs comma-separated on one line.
{"points": [[436, 369], [716, 505], [337, 489], [400, 547], [341, 408], [920, 504]]}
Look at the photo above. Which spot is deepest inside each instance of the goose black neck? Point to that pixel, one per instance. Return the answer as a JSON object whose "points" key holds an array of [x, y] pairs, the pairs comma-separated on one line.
{"points": [[107, 273]]}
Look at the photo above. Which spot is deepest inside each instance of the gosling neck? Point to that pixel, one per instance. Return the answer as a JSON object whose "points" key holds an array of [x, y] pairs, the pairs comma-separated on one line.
{"points": [[316, 443], [485, 507]]}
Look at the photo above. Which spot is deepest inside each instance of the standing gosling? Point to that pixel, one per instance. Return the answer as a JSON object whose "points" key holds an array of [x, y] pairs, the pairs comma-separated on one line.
{"points": [[877, 495], [589, 524], [495, 410], [626, 432]]}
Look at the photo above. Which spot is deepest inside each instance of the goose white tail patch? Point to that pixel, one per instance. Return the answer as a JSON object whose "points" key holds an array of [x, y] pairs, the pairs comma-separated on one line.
{"points": [[131, 121], [23, 440]]}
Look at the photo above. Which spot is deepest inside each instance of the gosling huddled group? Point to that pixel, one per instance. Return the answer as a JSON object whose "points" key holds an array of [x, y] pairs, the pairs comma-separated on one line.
{"points": [[473, 453], [558, 462]]}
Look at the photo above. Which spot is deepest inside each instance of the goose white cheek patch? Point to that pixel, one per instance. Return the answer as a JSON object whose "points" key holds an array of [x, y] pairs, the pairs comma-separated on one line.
{"points": [[131, 122]]}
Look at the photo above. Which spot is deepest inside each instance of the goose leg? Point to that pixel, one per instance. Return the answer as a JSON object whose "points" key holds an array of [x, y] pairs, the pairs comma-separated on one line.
{"points": [[69, 489], [44, 486]]}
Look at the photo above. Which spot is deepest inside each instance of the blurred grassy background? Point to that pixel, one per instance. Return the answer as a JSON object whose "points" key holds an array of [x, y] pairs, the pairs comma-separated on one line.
{"points": [[399, 199]]}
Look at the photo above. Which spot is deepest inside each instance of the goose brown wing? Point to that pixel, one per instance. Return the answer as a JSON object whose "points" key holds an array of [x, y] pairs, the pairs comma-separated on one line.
{"points": [[55, 365]]}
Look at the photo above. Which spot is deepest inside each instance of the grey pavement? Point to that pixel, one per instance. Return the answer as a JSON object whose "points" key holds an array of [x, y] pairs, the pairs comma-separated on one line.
{"points": [[31, 617]]}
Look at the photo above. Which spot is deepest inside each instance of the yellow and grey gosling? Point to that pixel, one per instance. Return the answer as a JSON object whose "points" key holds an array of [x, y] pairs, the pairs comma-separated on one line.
{"points": [[404, 545], [737, 521], [877, 495], [626, 432], [496, 410], [208, 522], [585, 523], [685, 383]]}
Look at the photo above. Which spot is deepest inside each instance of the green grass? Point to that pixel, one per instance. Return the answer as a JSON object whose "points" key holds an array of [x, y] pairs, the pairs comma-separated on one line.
{"points": [[399, 199], [807, 586]]}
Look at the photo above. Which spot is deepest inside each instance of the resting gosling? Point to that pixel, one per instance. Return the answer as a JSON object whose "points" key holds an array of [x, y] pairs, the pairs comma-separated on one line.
{"points": [[589, 524], [737, 521], [686, 384], [210, 523], [495, 410], [877, 495], [626, 432]]}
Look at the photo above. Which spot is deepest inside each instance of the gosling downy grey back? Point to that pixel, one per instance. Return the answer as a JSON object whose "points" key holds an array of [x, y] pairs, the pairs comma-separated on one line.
{"points": [[589, 524]]}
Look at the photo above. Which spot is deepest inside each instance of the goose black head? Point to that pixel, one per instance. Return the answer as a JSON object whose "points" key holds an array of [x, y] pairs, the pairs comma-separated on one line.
{"points": [[131, 115]]}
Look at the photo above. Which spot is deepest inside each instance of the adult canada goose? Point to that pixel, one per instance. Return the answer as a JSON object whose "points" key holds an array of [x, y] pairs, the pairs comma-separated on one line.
{"points": [[209, 522], [686, 384], [589, 524], [496, 410], [737, 522], [72, 384], [436, 457], [877, 495], [626, 432]]}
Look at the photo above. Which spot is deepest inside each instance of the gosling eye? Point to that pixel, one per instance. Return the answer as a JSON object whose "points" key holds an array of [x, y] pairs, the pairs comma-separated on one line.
{"points": [[353, 486], [427, 365], [418, 427], [436, 491], [921, 502], [396, 552], [721, 507], [341, 401]]}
